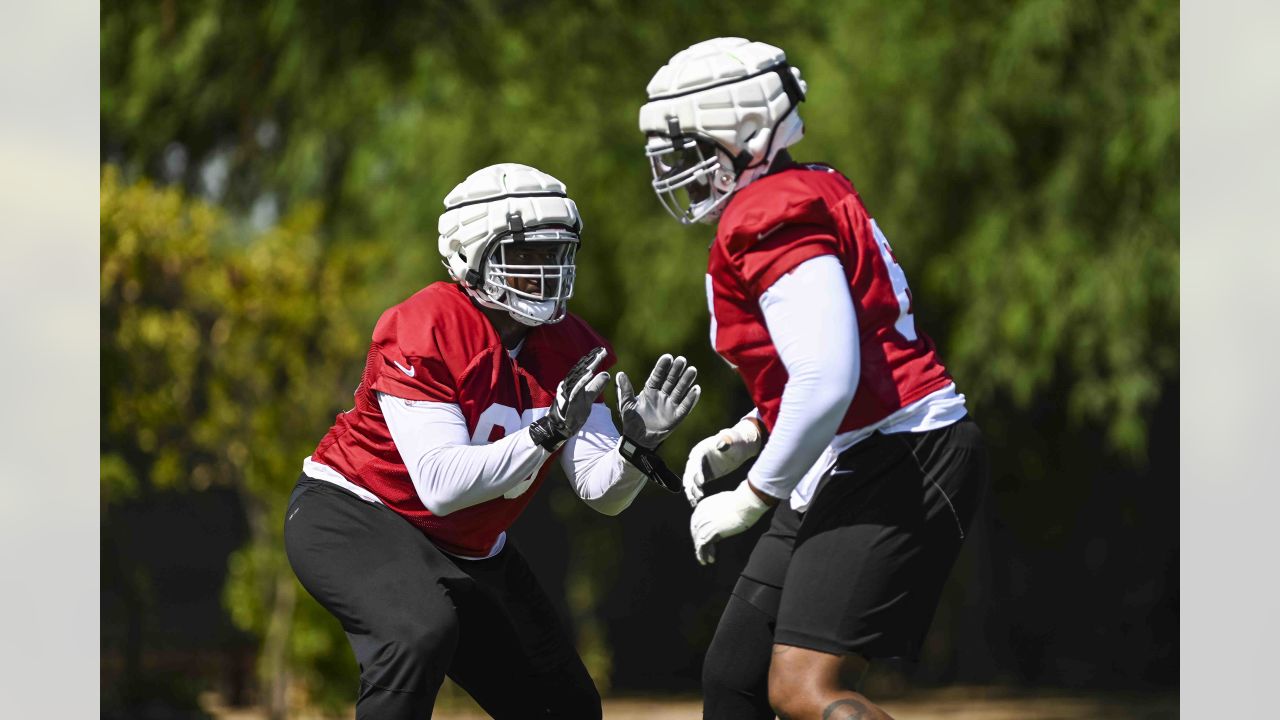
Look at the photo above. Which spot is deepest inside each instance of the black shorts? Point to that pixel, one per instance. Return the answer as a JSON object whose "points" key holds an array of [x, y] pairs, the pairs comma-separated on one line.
{"points": [[862, 569], [414, 614]]}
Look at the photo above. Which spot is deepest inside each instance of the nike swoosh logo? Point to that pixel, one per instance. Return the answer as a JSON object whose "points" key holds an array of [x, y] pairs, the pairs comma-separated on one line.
{"points": [[406, 370], [769, 232], [295, 512]]}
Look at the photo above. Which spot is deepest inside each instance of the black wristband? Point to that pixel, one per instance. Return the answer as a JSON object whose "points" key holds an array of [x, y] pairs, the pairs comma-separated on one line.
{"points": [[650, 463], [547, 434]]}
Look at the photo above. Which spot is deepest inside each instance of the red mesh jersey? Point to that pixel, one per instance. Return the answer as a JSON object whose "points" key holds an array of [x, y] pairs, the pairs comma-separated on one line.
{"points": [[768, 229], [437, 346]]}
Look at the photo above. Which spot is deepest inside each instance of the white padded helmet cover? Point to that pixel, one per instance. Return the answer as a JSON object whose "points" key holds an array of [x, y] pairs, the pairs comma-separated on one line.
{"points": [[481, 204], [728, 112], [478, 218]]}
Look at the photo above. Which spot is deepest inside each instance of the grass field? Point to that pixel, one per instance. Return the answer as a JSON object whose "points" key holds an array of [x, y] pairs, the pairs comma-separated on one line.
{"points": [[950, 704]]}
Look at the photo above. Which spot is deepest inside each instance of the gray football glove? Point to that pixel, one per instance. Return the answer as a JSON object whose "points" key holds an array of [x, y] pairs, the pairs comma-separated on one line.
{"points": [[572, 404], [667, 398]]}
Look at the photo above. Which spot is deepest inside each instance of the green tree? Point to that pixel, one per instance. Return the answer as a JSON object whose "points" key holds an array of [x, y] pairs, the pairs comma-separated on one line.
{"points": [[223, 354], [1025, 160]]}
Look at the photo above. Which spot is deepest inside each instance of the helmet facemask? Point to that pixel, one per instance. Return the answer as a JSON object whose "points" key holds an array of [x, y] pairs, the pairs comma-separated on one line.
{"points": [[529, 273], [690, 176]]}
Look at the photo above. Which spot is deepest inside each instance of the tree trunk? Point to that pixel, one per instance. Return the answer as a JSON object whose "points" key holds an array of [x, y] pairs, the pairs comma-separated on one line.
{"points": [[275, 647], [280, 595]]}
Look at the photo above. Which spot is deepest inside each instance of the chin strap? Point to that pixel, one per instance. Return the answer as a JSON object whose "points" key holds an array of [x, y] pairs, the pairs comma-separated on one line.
{"points": [[650, 463]]}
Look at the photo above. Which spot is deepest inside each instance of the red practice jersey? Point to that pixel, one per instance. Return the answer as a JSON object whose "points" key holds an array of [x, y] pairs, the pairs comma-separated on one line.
{"points": [[439, 347], [769, 228]]}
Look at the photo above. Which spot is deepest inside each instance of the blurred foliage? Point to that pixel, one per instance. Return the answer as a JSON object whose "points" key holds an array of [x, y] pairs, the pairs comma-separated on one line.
{"points": [[222, 364], [273, 173]]}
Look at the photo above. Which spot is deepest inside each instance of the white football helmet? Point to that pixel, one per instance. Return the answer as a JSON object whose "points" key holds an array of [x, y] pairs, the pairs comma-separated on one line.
{"points": [[508, 235], [718, 113]]}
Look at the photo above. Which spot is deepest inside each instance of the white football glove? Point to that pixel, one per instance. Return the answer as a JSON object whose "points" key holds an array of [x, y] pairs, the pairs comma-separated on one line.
{"points": [[723, 515], [719, 455], [667, 398]]}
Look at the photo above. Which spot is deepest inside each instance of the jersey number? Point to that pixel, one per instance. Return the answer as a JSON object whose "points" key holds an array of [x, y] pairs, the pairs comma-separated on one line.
{"points": [[906, 322], [505, 417]]}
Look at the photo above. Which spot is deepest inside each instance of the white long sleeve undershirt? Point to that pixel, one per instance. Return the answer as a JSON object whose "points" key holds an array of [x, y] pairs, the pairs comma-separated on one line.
{"points": [[598, 473], [449, 473], [813, 325]]}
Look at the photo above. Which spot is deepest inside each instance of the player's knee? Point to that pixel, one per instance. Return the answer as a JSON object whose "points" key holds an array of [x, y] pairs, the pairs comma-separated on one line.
{"points": [[580, 703], [717, 679], [415, 658], [426, 641], [586, 706], [795, 684], [785, 692], [787, 698], [737, 661], [724, 670], [577, 699]]}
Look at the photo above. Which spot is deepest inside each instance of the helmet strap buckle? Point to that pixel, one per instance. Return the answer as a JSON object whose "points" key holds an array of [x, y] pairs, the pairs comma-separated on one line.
{"points": [[515, 226]]}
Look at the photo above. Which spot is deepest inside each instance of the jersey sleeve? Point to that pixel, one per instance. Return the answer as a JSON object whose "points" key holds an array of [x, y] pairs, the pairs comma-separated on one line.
{"points": [[813, 325], [780, 252], [406, 361]]}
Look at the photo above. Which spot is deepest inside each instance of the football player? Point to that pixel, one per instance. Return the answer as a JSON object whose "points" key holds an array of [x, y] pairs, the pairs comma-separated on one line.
{"points": [[471, 390], [860, 438]]}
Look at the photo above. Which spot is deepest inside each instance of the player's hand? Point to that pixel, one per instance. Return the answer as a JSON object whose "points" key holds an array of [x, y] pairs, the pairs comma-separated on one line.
{"points": [[723, 515], [719, 455], [572, 403], [667, 398], [578, 390]]}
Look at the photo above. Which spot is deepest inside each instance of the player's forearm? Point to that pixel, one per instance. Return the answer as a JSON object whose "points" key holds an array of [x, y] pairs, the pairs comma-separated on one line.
{"points": [[611, 484], [598, 474], [808, 419], [447, 471], [812, 323], [451, 477]]}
